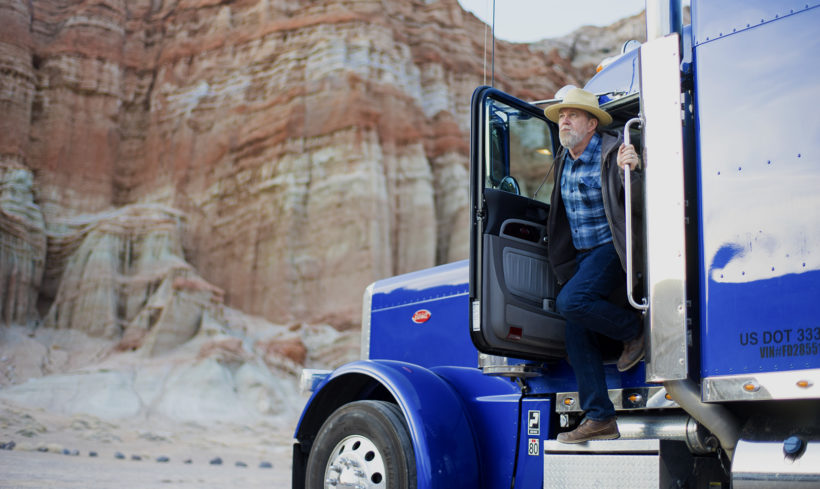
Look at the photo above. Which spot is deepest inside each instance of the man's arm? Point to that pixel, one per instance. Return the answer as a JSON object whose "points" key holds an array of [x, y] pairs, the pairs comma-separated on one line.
{"points": [[628, 156]]}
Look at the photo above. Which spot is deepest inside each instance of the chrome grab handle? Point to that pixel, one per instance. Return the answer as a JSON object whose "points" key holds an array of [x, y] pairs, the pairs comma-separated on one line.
{"points": [[643, 306]]}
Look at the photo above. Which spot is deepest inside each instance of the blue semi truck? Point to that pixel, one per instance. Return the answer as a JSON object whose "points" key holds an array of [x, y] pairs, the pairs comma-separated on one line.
{"points": [[463, 381]]}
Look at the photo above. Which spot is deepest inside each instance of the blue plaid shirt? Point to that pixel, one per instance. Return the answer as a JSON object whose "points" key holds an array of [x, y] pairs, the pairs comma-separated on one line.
{"points": [[583, 200]]}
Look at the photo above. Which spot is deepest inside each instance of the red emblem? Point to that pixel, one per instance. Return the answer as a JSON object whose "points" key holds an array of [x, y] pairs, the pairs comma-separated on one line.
{"points": [[421, 316]]}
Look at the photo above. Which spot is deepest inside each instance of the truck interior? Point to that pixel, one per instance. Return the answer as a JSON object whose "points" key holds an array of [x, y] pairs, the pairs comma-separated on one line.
{"points": [[512, 288]]}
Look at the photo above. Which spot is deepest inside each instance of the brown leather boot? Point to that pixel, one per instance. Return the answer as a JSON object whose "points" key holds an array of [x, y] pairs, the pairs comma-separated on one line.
{"points": [[589, 429], [632, 354]]}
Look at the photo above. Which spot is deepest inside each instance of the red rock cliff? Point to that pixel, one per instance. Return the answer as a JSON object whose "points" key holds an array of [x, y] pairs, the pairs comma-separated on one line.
{"points": [[313, 146]]}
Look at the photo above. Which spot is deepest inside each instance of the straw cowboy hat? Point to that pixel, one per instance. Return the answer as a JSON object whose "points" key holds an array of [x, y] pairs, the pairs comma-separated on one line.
{"points": [[578, 98]]}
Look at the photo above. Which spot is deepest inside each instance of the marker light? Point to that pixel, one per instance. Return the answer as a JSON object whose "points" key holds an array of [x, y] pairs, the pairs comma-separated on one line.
{"points": [[751, 387], [635, 398], [668, 396], [804, 384], [569, 401]]}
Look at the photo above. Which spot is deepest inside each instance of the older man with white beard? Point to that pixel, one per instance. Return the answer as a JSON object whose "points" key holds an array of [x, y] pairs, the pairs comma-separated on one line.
{"points": [[587, 246]]}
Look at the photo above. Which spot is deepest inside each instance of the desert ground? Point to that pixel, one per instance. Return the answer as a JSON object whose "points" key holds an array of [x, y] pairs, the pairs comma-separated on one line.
{"points": [[81, 451], [77, 412]]}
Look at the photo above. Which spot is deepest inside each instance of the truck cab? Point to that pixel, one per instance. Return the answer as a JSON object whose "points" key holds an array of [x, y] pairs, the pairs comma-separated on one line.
{"points": [[463, 380], [512, 283]]}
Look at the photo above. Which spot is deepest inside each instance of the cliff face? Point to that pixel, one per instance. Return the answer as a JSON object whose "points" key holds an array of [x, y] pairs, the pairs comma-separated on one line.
{"points": [[308, 147], [588, 45]]}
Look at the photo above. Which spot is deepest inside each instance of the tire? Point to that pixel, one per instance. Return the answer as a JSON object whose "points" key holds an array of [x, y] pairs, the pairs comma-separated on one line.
{"points": [[363, 444]]}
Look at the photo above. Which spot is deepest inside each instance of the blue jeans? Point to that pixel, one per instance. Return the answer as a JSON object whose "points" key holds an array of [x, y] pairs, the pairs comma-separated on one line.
{"points": [[583, 303]]}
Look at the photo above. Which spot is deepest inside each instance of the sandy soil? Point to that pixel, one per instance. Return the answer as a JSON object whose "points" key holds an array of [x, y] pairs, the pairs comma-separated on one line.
{"points": [[46, 470], [64, 395], [38, 459]]}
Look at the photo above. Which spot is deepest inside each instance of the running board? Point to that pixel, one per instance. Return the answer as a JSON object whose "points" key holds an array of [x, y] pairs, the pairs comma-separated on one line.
{"points": [[627, 464]]}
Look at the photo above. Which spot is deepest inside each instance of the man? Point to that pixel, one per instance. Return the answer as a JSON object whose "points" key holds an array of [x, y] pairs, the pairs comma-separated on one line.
{"points": [[587, 245]]}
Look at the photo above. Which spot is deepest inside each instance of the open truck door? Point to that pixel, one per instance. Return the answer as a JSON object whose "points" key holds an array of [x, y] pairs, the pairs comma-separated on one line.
{"points": [[512, 288]]}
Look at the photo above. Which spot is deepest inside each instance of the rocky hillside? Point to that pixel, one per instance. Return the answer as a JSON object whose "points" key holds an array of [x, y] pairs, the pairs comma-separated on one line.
{"points": [[587, 46], [275, 156]]}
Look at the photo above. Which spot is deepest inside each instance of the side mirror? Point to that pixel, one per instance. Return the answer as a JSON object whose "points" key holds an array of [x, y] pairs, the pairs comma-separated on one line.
{"points": [[509, 184]]}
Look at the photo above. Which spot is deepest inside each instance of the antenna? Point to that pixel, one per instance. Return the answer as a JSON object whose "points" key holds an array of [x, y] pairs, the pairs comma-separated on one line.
{"points": [[484, 67], [492, 79]]}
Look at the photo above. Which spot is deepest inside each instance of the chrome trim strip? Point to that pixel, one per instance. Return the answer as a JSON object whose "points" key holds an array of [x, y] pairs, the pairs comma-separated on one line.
{"points": [[664, 219], [763, 465], [604, 446], [367, 309], [476, 315], [311, 378], [644, 398], [675, 426], [500, 366], [762, 386]]}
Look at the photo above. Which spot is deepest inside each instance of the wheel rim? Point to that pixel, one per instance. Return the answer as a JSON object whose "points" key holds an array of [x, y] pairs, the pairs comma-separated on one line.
{"points": [[355, 463]]}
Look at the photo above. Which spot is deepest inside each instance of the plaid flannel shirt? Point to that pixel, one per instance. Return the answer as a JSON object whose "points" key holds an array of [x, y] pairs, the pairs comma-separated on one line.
{"points": [[581, 192]]}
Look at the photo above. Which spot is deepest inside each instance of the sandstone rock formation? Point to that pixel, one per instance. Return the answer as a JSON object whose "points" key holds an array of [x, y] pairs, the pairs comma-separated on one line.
{"points": [[22, 246], [222, 374], [310, 147], [122, 276], [589, 45]]}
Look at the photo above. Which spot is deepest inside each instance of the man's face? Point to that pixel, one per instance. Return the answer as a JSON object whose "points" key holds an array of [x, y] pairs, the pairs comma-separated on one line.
{"points": [[574, 125]]}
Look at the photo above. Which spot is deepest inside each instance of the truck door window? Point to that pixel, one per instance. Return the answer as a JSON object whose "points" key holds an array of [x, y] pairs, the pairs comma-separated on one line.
{"points": [[520, 147]]}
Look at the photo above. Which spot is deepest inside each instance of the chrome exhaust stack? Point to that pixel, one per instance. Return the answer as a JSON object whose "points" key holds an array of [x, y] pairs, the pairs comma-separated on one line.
{"points": [[714, 417], [663, 17], [672, 427]]}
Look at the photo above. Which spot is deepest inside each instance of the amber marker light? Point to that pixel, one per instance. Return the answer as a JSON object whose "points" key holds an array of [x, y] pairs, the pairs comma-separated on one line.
{"points": [[635, 398], [668, 396], [751, 387], [804, 384], [568, 401]]}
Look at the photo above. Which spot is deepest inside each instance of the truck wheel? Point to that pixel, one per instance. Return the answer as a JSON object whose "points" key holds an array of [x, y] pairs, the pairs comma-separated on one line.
{"points": [[364, 444]]}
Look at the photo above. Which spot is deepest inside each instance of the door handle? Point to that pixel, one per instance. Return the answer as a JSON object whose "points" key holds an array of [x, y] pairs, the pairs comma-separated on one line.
{"points": [[643, 306]]}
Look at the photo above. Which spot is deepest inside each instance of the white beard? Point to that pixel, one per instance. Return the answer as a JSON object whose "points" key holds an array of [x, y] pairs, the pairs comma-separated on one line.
{"points": [[569, 138]]}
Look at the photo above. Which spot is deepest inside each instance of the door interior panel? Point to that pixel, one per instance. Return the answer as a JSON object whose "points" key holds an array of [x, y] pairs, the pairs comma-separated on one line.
{"points": [[511, 277], [525, 275], [519, 291]]}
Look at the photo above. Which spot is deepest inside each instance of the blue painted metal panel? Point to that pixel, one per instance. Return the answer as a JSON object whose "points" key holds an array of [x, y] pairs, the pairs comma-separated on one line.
{"points": [[619, 76], [713, 20], [492, 406], [759, 174], [441, 339], [530, 471], [442, 434], [559, 377], [623, 76]]}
